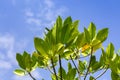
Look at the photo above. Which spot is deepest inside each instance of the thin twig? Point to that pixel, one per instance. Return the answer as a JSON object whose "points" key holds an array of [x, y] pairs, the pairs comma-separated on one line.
{"points": [[31, 76], [79, 76], [74, 64], [50, 70], [101, 74], [60, 67], [53, 72], [54, 69], [89, 64], [77, 52]]}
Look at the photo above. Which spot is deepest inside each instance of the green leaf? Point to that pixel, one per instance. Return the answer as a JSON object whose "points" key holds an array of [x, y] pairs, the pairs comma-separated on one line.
{"points": [[103, 59], [69, 66], [81, 66], [63, 73], [58, 29], [92, 30], [91, 78], [28, 62], [41, 46], [19, 72], [87, 35], [96, 44], [66, 29], [93, 60], [80, 40], [102, 34], [71, 74], [94, 64], [53, 77], [20, 61], [115, 76], [110, 51]]}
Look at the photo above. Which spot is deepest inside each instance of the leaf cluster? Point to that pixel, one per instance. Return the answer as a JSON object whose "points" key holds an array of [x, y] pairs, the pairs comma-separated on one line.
{"points": [[65, 42]]}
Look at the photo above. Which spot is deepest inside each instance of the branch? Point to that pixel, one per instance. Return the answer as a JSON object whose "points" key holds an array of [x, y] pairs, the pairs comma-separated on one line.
{"points": [[89, 64], [50, 70], [31, 76], [74, 65], [101, 74], [53, 72], [54, 69], [60, 67]]}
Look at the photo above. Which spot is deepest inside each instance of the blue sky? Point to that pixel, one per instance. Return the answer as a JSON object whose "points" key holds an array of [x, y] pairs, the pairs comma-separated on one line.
{"points": [[22, 20]]}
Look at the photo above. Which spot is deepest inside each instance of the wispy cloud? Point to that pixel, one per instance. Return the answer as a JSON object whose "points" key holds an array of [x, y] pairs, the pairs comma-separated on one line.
{"points": [[5, 65], [13, 2], [44, 16], [8, 47]]}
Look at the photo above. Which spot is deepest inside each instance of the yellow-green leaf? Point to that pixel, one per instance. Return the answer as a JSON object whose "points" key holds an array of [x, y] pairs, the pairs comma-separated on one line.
{"points": [[19, 72]]}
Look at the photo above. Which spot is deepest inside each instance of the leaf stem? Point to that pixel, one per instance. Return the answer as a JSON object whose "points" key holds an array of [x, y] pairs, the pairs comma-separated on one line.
{"points": [[60, 67], [53, 72], [89, 64], [31, 76], [54, 69]]}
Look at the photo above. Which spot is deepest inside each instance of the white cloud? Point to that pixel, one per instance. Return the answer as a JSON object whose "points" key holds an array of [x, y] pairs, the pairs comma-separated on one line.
{"points": [[29, 13], [6, 41], [43, 16], [13, 2], [49, 3], [5, 65], [8, 47]]}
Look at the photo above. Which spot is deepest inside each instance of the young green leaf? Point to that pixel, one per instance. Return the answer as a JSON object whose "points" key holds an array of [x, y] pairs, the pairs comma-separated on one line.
{"points": [[19, 72], [92, 30], [110, 51], [58, 29], [81, 66], [40, 46], [87, 35], [19, 58], [102, 34]]}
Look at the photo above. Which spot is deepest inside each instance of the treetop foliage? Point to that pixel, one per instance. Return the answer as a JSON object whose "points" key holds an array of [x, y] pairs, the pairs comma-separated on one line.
{"points": [[65, 42]]}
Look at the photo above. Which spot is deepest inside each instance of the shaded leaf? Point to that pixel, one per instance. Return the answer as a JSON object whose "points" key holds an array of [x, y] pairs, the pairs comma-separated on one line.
{"points": [[91, 78], [20, 61]]}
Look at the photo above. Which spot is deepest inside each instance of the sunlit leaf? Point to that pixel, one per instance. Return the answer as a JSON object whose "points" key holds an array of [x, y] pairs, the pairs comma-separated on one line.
{"points": [[20, 72], [85, 47], [40, 46], [102, 34], [92, 30], [87, 35], [110, 51]]}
